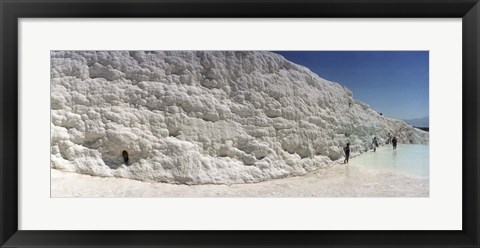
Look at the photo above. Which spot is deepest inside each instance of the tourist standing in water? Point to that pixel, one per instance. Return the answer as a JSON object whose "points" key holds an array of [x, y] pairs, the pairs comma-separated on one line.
{"points": [[375, 144], [394, 142], [346, 149]]}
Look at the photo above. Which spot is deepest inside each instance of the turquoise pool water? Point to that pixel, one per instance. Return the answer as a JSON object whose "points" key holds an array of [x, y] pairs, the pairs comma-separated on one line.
{"points": [[408, 159]]}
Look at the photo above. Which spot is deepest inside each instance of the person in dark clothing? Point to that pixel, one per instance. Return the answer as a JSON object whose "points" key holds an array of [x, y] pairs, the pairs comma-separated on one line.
{"points": [[394, 142], [125, 156], [346, 149], [375, 144]]}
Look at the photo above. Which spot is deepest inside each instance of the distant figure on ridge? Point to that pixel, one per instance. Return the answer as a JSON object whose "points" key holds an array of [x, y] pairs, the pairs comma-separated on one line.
{"points": [[394, 142], [375, 144], [346, 149]]}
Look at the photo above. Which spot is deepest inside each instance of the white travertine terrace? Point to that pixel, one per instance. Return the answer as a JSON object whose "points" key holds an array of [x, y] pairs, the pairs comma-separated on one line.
{"points": [[204, 117]]}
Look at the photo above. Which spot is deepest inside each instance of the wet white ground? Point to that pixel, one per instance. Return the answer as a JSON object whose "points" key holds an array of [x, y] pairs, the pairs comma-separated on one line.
{"points": [[364, 176]]}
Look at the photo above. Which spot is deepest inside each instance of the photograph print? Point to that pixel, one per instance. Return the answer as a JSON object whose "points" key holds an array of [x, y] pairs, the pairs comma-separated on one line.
{"points": [[239, 123]]}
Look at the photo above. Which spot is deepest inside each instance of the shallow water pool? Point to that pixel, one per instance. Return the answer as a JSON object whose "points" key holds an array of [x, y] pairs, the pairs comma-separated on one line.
{"points": [[407, 158]]}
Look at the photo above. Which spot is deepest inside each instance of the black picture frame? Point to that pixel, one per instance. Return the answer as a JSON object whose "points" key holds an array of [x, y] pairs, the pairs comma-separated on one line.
{"points": [[12, 10]]}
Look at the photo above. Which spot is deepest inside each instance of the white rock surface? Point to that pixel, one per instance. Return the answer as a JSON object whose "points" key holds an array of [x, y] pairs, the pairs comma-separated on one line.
{"points": [[203, 117]]}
